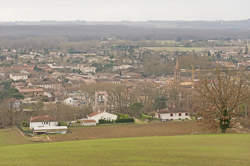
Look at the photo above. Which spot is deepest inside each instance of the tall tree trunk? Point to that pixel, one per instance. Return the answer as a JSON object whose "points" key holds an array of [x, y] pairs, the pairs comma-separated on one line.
{"points": [[225, 121]]}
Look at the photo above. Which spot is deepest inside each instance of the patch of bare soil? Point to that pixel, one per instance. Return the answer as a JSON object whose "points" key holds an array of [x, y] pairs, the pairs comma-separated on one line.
{"points": [[134, 130]]}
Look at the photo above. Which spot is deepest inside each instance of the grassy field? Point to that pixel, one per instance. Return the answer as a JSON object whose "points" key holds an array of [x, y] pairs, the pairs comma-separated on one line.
{"points": [[171, 49], [12, 137], [193, 150]]}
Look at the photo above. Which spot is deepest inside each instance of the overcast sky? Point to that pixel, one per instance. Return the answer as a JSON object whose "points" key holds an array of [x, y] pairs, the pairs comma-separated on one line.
{"points": [[117, 10]]}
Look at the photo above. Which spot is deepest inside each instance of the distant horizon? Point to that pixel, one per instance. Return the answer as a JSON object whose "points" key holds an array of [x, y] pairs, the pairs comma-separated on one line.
{"points": [[169, 20]]}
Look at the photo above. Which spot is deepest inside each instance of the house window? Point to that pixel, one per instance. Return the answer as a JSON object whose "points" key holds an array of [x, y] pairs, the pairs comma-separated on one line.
{"points": [[186, 114], [179, 114], [171, 115], [45, 123]]}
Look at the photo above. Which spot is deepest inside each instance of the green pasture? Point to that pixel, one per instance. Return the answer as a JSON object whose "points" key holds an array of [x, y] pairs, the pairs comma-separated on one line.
{"points": [[190, 150]]}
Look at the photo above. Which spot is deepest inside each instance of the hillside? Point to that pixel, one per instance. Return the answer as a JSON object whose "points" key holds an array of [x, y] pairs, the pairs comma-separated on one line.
{"points": [[12, 136]]}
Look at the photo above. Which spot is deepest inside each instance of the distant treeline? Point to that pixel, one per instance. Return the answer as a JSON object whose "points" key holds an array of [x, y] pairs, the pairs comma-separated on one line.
{"points": [[97, 32]]}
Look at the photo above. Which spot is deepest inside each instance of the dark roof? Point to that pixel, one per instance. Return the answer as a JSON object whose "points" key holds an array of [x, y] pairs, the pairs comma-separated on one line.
{"points": [[41, 118]]}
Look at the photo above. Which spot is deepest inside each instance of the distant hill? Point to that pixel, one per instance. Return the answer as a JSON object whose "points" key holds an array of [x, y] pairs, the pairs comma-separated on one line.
{"points": [[220, 24], [150, 30]]}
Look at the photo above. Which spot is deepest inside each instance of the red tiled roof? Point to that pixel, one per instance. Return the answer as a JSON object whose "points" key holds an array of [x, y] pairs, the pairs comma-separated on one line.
{"points": [[93, 114], [171, 111], [30, 90], [41, 118]]}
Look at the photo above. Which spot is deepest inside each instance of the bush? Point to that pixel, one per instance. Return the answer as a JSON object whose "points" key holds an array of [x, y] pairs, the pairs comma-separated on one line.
{"points": [[25, 124], [128, 120], [124, 118], [104, 121], [62, 124], [144, 117]]}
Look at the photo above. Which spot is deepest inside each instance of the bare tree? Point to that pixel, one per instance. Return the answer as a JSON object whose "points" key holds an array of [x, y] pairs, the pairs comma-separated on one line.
{"points": [[120, 98], [220, 96]]}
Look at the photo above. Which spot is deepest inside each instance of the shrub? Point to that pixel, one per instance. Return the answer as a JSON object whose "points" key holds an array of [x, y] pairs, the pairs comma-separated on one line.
{"points": [[104, 121], [144, 117], [127, 120], [124, 118], [62, 124], [25, 124]]}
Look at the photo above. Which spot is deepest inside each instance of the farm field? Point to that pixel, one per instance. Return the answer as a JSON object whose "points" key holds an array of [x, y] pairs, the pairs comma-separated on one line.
{"points": [[134, 130], [192, 150], [198, 49], [13, 136]]}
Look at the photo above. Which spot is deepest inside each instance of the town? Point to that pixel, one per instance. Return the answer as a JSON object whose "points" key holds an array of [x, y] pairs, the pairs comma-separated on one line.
{"points": [[111, 77], [124, 83]]}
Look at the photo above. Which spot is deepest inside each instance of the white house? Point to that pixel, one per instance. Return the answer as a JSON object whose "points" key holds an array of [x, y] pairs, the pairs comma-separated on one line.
{"points": [[101, 115], [122, 67], [165, 116], [88, 69], [42, 121], [18, 77], [46, 124], [71, 101]]}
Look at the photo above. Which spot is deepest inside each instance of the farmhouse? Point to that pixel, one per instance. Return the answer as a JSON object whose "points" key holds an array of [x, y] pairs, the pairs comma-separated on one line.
{"points": [[101, 115], [46, 124], [172, 115]]}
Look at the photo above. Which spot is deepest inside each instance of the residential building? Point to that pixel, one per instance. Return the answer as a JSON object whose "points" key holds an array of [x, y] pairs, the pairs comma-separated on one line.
{"points": [[170, 115], [101, 115], [18, 77]]}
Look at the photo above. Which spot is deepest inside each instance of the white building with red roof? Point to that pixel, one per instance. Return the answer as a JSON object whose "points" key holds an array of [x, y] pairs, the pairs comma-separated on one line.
{"points": [[166, 115], [42, 121], [46, 124], [101, 115]]}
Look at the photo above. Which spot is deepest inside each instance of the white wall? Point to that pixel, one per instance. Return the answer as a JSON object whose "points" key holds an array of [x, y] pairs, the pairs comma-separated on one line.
{"points": [[103, 115], [42, 124], [18, 77], [89, 124], [175, 116]]}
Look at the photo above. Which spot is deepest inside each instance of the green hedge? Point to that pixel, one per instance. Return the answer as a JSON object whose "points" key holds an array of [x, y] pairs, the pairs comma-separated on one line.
{"points": [[124, 118], [127, 120]]}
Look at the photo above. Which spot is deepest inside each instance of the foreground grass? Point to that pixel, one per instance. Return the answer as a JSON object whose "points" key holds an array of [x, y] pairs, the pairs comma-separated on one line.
{"points": [[196, 150]]}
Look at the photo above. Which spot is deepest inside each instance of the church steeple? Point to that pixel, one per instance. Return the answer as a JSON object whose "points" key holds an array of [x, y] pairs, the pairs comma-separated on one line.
{"points": [[246, 48], [177, 75]]}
